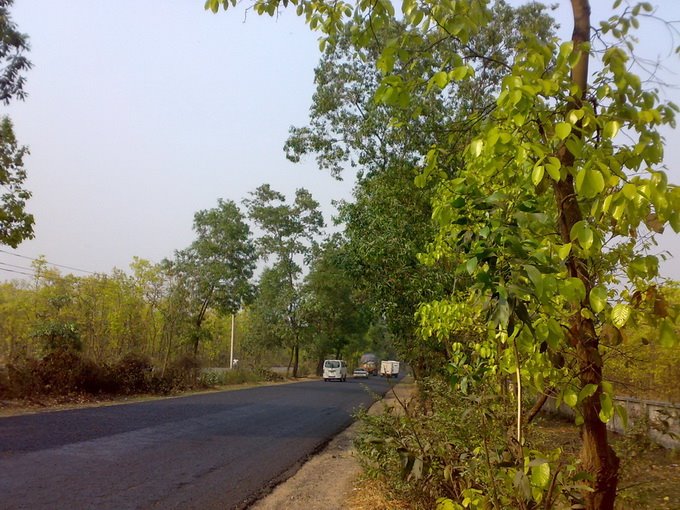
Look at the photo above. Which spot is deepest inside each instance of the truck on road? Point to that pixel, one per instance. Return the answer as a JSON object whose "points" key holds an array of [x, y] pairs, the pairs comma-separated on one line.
{"points": [[369, 362], [389, 368]]}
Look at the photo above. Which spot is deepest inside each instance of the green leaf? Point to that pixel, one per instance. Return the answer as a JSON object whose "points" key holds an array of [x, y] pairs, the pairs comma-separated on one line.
{"points": [[629, 191], [564, 251], [611, 128], [536, 278], [562, 130], [620, 315], [537, 174], [607, 411], [446, 504], [573, 290], [553, 168], [589, 182], [441, 79], [476, 147], [667, 334], [623, 414], [587, 391], [582, 233], [540, 474], [598, 298], [570, 397], [471, 265], [459, 73]]}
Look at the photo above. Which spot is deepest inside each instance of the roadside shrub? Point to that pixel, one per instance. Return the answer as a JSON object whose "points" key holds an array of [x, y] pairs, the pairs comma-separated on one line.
{"points": [[264, 374], [185, 370], [132, 374], [444, 444], [166, 383], [61, 371]]}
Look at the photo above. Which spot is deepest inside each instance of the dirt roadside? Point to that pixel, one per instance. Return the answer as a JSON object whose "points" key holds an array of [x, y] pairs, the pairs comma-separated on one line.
{"points": [[326, 481]]}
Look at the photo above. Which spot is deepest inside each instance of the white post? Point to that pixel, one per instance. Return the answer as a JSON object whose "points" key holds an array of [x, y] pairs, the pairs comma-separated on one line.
{"points": [[231, 351]]}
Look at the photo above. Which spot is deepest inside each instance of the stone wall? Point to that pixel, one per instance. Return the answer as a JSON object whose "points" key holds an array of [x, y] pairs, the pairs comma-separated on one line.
{"points": [[660, 420]]}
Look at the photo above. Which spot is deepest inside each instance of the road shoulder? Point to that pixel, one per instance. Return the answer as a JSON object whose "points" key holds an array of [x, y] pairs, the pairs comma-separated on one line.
{"points": [[326, 481]]}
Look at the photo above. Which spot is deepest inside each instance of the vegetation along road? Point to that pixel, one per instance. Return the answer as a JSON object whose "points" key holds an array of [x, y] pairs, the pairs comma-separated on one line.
{"points": [[215, 450]]}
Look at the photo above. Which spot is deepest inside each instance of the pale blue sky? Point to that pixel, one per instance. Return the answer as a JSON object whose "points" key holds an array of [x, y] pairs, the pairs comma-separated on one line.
{"points": [[141, 113]]}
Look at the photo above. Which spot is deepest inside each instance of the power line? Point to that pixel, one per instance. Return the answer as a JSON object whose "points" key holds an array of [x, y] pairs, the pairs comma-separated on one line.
{"points": [[16, 272], [18, 267], [48, 262]]}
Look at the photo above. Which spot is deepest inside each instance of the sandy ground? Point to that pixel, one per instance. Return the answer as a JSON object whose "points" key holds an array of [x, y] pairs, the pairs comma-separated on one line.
{"points": [[327, 480]]}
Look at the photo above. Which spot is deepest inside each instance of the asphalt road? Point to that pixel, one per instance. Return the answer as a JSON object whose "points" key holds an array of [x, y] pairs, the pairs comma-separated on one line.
{"points": [[216, 450]]}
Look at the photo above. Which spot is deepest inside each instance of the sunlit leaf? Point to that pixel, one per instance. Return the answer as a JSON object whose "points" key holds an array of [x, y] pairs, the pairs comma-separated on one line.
{"points": [[476, 147], [620, 315], [598, 298], [562, 130], [611, 129], [540, 474], [607, 407]]}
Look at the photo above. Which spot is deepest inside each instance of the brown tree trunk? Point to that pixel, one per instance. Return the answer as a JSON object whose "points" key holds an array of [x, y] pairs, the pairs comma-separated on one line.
{"points": [[597, 456], [296, 361]]}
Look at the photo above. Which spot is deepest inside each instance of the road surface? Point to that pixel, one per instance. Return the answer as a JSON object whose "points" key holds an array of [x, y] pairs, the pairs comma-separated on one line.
{"points": [[215, 450]]}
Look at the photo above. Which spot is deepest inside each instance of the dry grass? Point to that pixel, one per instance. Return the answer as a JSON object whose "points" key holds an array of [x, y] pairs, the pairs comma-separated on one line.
{"points": [[649, 474], [369, 494]]}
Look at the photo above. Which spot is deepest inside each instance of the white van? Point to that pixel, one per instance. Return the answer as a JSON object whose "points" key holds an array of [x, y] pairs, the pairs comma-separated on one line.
{"points": [[334, 369]]}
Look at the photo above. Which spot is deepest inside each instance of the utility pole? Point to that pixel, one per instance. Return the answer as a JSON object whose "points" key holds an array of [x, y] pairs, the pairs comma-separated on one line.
{"points": [[231, 351]]}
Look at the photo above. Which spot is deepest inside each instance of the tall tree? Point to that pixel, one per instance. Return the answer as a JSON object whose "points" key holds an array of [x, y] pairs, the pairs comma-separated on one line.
{"points": [[216, 269], [289, 232], [15, 223]]}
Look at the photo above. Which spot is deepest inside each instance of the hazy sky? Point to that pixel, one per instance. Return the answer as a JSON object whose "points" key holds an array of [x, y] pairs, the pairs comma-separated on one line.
{"points": [[141, 113]]}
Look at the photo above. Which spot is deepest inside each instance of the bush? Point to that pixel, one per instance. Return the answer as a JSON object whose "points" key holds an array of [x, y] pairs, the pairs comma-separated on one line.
{"points": [[449, 445], [132, 374], [62, 371]]}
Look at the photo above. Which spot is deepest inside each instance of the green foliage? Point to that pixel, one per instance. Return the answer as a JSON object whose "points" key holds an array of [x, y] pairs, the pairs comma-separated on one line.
{"points": [[638, 358], [15, 223], [389, 222], [13, 62], [289, 234], [330, 307], [214, 272], [546, 211], [447, 450]]}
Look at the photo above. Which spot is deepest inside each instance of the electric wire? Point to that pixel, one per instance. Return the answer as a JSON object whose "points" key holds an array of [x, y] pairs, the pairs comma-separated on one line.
{"points": [[47, 262]]}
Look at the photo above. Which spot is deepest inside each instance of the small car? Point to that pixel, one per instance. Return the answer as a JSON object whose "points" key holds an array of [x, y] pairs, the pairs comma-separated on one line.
{"points": [[360, 373]]}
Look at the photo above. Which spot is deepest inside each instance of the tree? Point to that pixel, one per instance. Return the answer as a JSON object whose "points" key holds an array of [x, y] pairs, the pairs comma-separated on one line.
{"points": [[15, 223], [13, 62], [289, 232], [389, 222], [330, 308], [216, 269], [552, 216]]}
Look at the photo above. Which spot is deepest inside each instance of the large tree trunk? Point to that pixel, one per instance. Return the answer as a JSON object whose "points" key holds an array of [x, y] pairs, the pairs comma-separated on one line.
{"points": [[597, 456]]}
